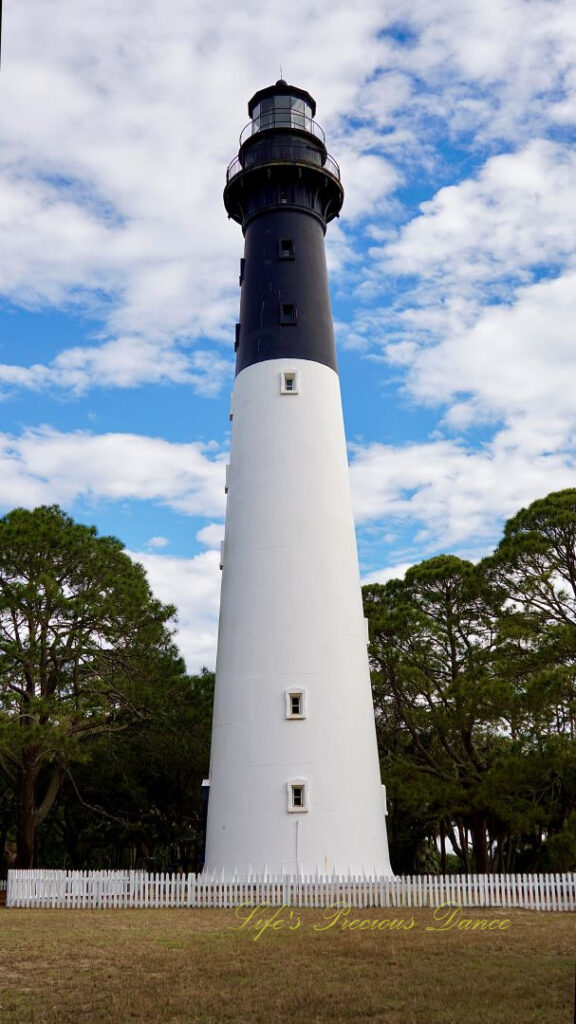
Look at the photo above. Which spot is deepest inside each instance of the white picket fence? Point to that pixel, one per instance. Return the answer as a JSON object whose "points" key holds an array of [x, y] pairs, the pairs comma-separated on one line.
{"points": [[123, 889]]}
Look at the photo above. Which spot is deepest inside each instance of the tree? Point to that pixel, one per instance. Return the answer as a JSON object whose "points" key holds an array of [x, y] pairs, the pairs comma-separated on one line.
{"points": [[137, 800], [534, 568], [474, 675], [432, 637], [81, 637]]}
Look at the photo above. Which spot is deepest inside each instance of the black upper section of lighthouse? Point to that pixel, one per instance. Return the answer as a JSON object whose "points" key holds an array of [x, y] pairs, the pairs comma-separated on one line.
{"points": [[283, 188]]}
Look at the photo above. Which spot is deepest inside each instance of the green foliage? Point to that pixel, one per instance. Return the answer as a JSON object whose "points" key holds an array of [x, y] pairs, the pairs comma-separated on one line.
{"points": [[81, 639], [475, 693], [136, 800], [104, 739], [432, 637]]}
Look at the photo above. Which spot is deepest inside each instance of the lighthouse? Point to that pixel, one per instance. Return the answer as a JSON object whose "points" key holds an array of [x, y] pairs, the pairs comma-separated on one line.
{"points": [[295, 784]]}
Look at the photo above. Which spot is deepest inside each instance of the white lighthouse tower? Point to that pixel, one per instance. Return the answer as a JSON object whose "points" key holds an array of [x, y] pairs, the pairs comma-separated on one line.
{"points": [[294, 780]]}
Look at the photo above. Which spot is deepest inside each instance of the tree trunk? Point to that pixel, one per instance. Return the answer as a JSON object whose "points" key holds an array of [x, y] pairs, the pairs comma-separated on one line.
{"points": [[479, 842], [442, 848], [25, 817], [28, 815], [464, 854]]}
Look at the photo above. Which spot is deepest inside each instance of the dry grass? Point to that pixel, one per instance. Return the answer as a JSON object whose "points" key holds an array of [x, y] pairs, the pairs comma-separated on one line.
{"points": [[188, 966]]}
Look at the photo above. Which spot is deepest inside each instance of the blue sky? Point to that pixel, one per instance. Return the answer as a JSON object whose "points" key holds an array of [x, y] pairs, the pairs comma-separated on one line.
{"points": [[452, 268]]}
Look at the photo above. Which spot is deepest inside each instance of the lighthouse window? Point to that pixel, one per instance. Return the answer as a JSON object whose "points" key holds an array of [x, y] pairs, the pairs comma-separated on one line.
{"points": [[288, 313], [280, 111], [295, 704], [288, 382], [286, 249], [236, 337], [298, 796]]}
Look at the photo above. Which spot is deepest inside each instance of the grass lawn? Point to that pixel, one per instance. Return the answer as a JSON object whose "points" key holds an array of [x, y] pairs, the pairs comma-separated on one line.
{"points": [[185, 966]]}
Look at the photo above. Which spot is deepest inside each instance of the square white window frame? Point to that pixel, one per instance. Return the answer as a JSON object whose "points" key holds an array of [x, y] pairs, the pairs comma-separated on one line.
{"points": [[295, 691], [304, 784], [293, 376]]}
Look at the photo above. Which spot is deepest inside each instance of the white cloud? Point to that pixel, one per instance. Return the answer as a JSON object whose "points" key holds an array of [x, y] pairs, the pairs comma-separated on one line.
{"points": [[193, 586], [487, 326], [516, 364], [393, 572], [115, 133], [124, 362], [211, 535], [496, 68], [369, 179], [454, 495], [517, 216], [46, 466]]}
